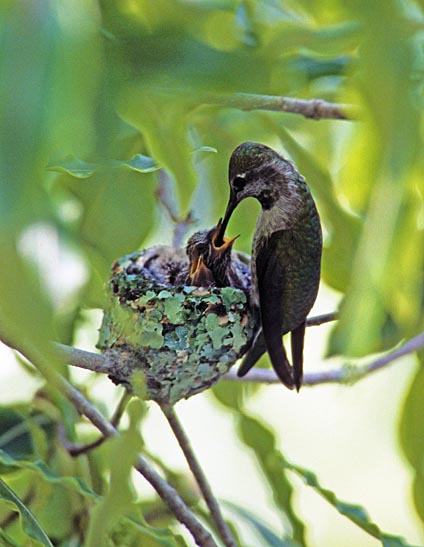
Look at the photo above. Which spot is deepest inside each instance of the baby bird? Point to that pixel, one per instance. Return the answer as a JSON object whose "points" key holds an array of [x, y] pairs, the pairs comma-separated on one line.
{"points": [[212, 264]]}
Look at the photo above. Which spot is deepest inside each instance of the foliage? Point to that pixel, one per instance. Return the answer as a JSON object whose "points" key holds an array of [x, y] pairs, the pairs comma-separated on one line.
{"points": [[100, 102]]}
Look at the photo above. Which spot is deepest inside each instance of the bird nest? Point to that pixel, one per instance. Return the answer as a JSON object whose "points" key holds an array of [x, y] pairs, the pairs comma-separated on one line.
{"points": [[172, 341]]}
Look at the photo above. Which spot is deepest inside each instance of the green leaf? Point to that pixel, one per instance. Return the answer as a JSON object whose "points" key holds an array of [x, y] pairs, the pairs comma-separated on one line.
{"points": [[18, 430], [411, 434], [262, 441], [30, 524], [164, 125], [82, 169], [26, 319], [265, 532], [140, 163], [73, 166], [118, 499], [355, 513], [6, 541], [43, 471]]}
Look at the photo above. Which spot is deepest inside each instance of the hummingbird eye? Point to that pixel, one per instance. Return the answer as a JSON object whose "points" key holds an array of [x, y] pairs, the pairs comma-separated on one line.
{"points": [[239, 183]]}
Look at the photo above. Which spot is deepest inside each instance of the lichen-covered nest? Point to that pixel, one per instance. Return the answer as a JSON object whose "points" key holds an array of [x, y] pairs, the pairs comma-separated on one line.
{"points": [[173, 341]]}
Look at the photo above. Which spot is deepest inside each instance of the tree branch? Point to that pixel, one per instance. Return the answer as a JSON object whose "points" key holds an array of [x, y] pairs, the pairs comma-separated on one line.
{"points": [[196, 469], [346, 374], [317, 320], [109, 362], [314, 109], [169, 495]]}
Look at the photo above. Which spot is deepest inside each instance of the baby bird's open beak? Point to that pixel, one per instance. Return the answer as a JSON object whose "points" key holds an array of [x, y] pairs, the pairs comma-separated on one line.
{"points": [[200, 275]]}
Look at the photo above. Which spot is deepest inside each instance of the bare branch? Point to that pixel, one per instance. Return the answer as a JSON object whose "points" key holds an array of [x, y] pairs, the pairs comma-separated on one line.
{"points": [[196, 469], [315, 109], [347, 374], [317, 320], [109, 362], [83, 359]]}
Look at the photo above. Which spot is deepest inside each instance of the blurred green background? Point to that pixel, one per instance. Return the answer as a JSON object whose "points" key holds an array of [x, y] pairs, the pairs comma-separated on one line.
{"points": [[101, 101]]}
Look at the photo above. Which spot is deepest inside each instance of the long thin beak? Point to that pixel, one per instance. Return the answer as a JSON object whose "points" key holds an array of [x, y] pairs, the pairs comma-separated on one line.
{"points": [[219, 246], [219, 237]]}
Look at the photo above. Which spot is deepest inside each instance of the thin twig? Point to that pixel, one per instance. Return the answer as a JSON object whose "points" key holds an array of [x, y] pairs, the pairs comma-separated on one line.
{"points": [[181, 225], [196, 469], [317, 320], [177, 505], [170, 496], [315, 109], [78, 449], [347, 374]]}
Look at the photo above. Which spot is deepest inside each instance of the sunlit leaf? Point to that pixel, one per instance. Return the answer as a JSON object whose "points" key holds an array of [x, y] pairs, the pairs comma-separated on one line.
{"points": [[43, 471], [268, 536], [262, 442], [353, 512], [74, 166], [83, 170], [411, 434], [118, 500], [140, 163], [30, 524], [164, 126]]}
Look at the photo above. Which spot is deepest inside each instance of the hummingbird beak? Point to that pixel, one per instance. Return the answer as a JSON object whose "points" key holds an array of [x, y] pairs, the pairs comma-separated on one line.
{"points": [[219, 237], [220, 243]]}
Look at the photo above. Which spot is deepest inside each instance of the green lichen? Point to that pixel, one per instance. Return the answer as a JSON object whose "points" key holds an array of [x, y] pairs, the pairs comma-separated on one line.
{"points": [[182, 339]]}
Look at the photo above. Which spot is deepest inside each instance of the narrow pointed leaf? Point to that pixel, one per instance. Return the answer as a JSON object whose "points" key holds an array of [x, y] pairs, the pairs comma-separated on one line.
{"points": [[47, 474], [30, 524], [355, 513], [140, 163], [268, 536], [73, 166]]}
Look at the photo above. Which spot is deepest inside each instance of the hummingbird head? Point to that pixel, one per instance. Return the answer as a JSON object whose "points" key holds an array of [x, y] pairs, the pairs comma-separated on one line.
{"points": [[209, 259], [255, 170]]}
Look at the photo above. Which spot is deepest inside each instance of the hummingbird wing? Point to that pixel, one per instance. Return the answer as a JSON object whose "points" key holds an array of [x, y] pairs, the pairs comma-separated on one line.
{"points": [[297, 337], [270, 271]]}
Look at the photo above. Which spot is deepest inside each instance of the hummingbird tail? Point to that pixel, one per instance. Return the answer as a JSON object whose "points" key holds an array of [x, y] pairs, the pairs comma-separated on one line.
{"points": [[297, 337], [281, 365]]}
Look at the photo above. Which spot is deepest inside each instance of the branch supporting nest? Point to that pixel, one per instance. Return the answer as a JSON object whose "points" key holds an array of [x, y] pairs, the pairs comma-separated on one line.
{"points": [[106, 364]]}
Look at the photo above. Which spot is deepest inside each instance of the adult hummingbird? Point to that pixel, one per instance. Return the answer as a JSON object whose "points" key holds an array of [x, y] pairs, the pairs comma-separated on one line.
{"points": [[286, 253]]}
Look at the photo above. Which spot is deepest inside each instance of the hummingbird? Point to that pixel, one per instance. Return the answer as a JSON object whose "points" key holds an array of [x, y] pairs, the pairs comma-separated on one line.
{"points": [[286, 254]]}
